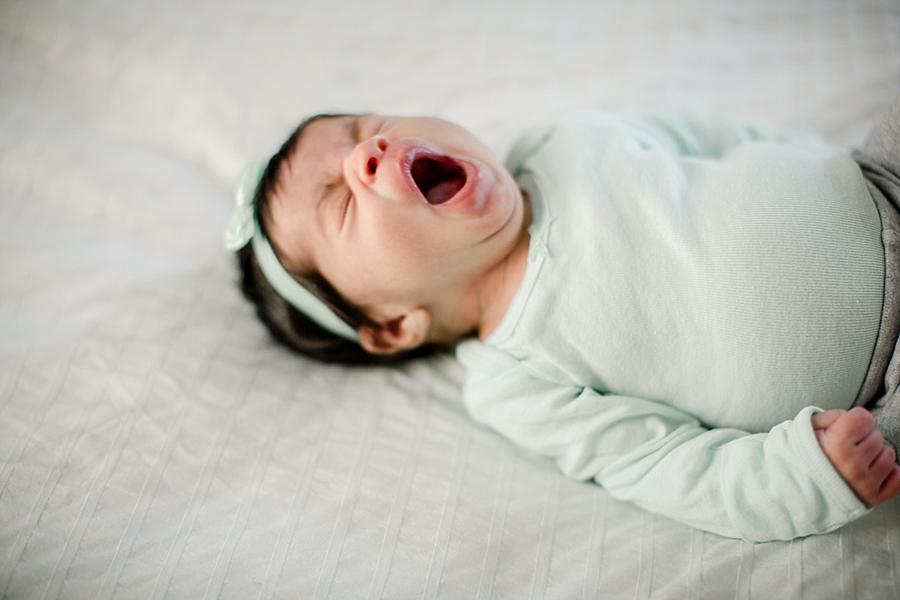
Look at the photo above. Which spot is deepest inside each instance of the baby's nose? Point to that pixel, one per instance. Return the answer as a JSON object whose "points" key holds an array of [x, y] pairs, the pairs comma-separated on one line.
{"points": [[373, 151]]}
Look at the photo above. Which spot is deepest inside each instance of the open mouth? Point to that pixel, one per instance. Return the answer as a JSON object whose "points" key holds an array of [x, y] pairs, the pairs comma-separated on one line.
{"points": [[439, 178]]}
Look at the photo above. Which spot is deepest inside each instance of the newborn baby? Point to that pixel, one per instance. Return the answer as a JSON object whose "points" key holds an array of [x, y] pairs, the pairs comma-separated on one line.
{"points": [[698, 315]]}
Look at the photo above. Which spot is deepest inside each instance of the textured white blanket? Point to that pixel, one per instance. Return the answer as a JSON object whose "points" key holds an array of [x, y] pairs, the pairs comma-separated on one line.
{"points": [[154, 442]]}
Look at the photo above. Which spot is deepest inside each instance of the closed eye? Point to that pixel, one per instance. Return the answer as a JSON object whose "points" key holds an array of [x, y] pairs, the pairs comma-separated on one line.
{"points": [[345, 207]]}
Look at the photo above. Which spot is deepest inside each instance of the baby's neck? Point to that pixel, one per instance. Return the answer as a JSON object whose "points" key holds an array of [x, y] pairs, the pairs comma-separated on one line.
{"points": [[499, 290]]}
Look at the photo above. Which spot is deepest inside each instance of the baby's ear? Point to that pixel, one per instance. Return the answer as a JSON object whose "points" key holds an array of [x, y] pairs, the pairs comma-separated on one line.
{"points": [[396, 334]]}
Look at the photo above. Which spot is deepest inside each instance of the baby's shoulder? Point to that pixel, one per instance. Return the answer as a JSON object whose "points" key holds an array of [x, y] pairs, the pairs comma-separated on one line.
{"points": [[566, 131], [478, 356]]}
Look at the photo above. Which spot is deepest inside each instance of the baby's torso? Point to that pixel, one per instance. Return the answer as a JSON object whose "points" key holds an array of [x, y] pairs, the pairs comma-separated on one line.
{"points": [[739, 290]]}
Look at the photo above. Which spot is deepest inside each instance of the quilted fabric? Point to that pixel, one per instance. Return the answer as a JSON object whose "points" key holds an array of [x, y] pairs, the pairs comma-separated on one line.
{"points": [[155, 443]]}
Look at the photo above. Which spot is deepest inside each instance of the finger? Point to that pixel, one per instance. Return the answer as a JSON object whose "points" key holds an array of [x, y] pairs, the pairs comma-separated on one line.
{"points": [[870, 447], [883, 464], [891, 486], [854, 425], [824, 419], [820, 436]]}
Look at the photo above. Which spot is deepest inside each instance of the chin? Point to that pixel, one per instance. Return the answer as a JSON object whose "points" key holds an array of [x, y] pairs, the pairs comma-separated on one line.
{"points": [[504, 207]]}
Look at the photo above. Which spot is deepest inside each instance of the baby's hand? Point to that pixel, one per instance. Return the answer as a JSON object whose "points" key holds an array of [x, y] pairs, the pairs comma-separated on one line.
{"points": [[859, 453]]}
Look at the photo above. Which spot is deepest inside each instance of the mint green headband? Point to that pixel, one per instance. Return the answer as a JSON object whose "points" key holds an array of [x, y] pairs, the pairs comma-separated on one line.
{"points": [[244, 227]]}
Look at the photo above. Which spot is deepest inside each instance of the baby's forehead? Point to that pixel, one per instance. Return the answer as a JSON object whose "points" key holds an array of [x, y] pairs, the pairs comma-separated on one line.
{"points": [[316, 141], [286, 216], [328, 128], [292, 196]]}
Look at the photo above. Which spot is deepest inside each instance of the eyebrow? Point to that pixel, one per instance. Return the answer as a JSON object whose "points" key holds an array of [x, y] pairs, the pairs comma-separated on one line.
{"points": [[351, 129]]}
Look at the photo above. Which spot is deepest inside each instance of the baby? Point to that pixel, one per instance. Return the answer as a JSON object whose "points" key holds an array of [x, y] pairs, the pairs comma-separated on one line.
{"points": [[700, 316]]}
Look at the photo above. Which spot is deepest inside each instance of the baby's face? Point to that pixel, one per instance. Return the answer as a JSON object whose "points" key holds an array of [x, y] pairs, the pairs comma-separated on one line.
{"points": [[395, 212]]}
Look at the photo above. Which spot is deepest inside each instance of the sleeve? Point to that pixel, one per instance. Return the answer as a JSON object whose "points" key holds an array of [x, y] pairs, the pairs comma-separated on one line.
{"points": [[714, 137], [760, 487]]}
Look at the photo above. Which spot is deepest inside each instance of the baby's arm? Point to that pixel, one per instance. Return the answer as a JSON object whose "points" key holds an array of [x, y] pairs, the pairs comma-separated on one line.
{"points": [[858, 451], [777, 485]]}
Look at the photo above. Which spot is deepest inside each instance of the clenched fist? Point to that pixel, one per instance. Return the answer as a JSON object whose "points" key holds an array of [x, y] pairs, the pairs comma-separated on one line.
{"points": [[858, 451]]}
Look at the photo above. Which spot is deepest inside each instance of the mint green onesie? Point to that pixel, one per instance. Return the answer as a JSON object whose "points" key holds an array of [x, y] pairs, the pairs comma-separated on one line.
{"points": [[694, 292]]}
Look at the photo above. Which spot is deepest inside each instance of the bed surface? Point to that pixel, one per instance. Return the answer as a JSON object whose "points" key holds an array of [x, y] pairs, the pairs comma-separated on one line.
{"points": [[155, 442]]}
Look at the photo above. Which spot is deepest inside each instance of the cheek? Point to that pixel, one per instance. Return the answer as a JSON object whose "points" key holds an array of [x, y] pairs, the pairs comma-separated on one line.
{"points": [[404, 260], [406, 243], [384, 269]]}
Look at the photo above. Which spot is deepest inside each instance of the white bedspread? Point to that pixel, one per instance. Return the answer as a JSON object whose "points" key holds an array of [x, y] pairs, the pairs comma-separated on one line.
{"points": [[154, 441]]}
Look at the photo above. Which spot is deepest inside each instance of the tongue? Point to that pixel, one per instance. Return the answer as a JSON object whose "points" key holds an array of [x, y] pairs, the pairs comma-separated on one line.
{"points": [[444, 190]]}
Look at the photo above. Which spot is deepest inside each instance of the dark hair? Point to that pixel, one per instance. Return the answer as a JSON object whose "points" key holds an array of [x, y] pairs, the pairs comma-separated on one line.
{"points": [[288, 325]]}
